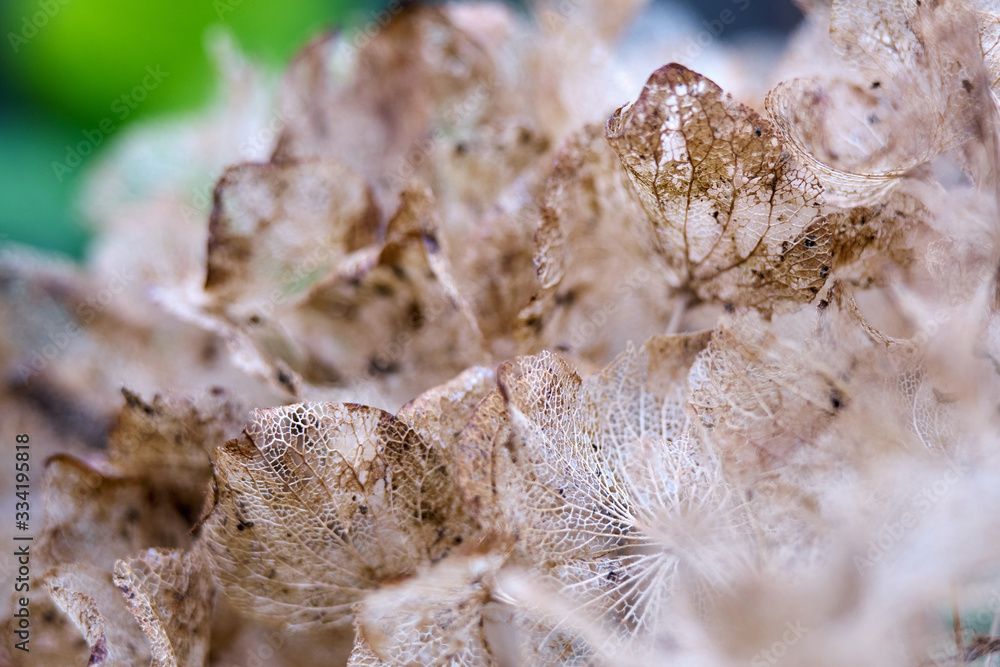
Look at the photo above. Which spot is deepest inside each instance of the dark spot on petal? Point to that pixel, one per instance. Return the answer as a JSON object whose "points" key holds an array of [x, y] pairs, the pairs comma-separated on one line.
{"points": [[430, 242], [836, 399], [565, 298]]}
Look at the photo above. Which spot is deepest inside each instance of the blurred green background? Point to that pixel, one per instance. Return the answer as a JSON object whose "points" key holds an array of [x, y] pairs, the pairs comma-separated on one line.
{"points": [[67, 66]]}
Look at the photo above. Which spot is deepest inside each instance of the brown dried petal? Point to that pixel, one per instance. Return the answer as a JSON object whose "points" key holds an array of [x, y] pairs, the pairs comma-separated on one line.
{"points": [[277, 227], [170, 595], [725, 201], [88, 597], [601, 283], [435, 618], [395, 315], [320, 503], [169, 439], [97, 518]]}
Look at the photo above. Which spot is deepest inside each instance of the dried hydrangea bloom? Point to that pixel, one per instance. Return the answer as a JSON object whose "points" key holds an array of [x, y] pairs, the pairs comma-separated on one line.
{"points": [[437, 203]]}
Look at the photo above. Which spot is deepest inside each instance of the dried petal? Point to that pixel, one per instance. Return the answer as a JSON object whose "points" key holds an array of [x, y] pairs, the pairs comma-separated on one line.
{"points": [[601, 284], [320, 503], [270, 219], [170, 595], [735, 217], [87, 595], [435, 618]]}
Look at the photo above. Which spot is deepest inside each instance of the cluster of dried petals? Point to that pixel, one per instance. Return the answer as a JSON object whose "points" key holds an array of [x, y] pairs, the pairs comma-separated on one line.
{"points": [[524, 389]]}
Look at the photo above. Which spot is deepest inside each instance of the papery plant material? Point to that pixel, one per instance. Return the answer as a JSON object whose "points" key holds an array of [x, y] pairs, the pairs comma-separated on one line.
{"points": [[736, 217], [92, 519], [435, 618], [439, 415], [319, 503], [266, 217], [754, 403], [726, 203], [422, 72], [585, 472], [87, 596], [404, 292], [170, 595], [98, 517], [169, 441], [593, 265], [146, 493]]}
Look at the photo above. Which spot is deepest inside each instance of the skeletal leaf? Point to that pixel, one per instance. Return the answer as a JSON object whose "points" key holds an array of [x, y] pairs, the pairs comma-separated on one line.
{"points": [[320, 503], [439, 414], [88, 597], [750, 387], [987, 14], [930, 58], [170, 595], [588, 473], [480, 461], [734, 216], [435, 618]]}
